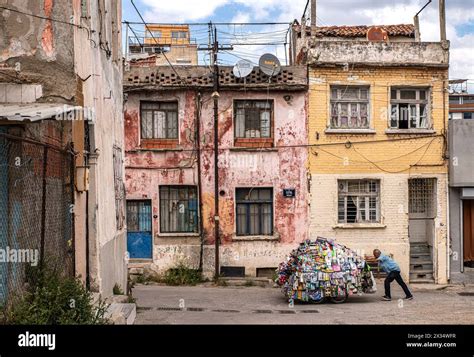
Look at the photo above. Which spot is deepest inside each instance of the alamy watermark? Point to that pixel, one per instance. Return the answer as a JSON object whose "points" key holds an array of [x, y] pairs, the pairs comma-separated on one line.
{"points": [[67, 113], [25, 256]]}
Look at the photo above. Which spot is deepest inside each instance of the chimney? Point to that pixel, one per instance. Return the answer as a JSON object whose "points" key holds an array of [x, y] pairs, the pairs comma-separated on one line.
{"points": [[442, 19], [313, 14]]}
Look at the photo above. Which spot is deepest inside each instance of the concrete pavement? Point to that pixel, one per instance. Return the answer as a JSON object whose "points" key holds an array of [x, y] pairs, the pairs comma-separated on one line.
{"points": [[209, 304]]}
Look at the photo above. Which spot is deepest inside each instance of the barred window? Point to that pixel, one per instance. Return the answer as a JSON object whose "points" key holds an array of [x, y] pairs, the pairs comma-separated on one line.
{"points": [[159, 120], [253, 118], [409, 108], [254, 211], [178, 209], [349, 107], [359, 201], [421, 196]]}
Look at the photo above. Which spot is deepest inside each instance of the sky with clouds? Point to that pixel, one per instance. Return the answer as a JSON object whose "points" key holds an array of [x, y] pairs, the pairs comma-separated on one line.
{"points": [[460, 18]]}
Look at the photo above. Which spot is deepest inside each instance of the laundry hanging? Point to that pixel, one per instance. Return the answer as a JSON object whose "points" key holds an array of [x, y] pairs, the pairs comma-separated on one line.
{"points": [[321, 269]]}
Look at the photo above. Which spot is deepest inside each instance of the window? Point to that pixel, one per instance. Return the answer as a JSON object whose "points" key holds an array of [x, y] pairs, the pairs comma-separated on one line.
{"points": [[178, 209], [154, 33], [421, 197], [254, 211], [159, 120], [409, 108], [253, 118], [139, 216], [179, 34], [454, 100], [467, 116], [349, 107], [359, 201]]}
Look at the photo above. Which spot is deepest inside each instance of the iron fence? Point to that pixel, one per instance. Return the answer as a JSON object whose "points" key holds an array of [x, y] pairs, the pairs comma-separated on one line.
{"points": [[36, 212]]}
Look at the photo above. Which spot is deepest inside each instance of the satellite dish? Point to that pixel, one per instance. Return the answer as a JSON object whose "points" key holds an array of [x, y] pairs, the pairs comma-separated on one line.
{"points": [[243, 68], [270, 65]]}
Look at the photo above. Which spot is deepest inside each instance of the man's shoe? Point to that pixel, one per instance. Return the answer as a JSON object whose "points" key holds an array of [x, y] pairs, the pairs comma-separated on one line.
{"points": [[409, 297], [386, 298]]}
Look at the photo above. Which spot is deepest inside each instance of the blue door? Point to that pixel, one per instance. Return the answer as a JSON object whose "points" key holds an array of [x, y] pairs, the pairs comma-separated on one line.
{"points": [[139, 228]]}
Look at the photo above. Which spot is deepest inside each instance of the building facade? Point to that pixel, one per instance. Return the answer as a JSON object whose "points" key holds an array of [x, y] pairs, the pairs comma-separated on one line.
{"points": [[170, 180], [61, 88], [378, 117]]}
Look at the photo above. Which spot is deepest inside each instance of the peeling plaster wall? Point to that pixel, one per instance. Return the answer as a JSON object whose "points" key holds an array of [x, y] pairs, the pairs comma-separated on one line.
{"points": [[40, 50], [280, 168]]}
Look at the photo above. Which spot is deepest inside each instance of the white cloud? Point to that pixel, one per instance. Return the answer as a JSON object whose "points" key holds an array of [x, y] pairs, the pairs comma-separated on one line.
{"points": [[180, 10]]}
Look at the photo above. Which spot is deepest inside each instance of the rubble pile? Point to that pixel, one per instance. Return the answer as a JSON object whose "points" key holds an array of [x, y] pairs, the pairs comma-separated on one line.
{"points": [[324, 269]]}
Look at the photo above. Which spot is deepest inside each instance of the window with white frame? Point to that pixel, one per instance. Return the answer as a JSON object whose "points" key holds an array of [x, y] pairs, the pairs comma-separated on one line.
{"points": [[359, 201], [349, 107], [409, 108]]}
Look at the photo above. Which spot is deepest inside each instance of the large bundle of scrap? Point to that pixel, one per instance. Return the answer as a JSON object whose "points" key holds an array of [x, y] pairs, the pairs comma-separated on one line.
{"points": [[324, 269]]}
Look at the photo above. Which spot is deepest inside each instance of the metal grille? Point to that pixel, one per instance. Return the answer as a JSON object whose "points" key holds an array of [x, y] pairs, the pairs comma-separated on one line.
{"points": [[36, 221], [178, 209], [421, 196]]}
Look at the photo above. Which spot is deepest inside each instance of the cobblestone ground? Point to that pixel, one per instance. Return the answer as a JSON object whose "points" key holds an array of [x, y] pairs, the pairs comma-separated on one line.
{"points": [[255, 305]]}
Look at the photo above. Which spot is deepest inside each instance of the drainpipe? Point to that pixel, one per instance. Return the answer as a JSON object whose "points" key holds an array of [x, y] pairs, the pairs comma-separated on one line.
{"points": [[198, 143]]}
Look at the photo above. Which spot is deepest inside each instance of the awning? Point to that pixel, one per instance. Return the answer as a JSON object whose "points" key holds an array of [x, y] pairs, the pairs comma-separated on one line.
{"points": [[41, 111]]}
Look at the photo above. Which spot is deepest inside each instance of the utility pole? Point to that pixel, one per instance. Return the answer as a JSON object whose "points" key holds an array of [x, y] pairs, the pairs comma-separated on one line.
{"points": [[442, 20], [214, 48]]}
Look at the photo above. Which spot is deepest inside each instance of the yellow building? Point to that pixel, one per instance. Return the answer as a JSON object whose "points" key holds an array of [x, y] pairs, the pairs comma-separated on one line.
{"points": [[377, 122], [167, 43]]}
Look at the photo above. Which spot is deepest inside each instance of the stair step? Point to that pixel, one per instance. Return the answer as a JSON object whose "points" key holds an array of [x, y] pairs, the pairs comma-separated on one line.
{"points": [[418, 275], [421, 271], [421, 262], [416, 255], [421, 281]]}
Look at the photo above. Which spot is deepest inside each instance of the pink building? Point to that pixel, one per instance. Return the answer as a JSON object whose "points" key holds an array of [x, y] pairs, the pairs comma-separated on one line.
{"points": [[170, 185]]}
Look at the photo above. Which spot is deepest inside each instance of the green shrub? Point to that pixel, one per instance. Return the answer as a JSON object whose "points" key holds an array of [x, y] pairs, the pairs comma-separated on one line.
{"points": [[117, 290], [182, 275], [55, 300]]}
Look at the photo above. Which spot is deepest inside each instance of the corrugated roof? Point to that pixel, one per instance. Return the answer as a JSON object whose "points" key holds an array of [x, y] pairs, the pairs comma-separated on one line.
{"points": [[37, 111], [406, 30]]}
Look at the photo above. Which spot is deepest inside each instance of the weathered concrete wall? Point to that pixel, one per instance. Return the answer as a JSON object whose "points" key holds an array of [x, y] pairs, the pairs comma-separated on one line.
{"points": [[283, 166], [378, 53], [461, 149], [39, 50], [101, 89], [377, 153]]}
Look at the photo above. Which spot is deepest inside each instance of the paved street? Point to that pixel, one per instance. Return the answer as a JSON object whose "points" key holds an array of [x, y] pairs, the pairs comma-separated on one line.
{"points": [[255, 305]]}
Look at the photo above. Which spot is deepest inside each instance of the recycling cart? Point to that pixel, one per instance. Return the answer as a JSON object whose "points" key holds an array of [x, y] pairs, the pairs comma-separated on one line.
{"points": [[323, 269]]}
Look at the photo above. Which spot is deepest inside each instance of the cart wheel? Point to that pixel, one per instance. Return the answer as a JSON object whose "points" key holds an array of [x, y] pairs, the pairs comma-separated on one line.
{"points": [[339, 299]]}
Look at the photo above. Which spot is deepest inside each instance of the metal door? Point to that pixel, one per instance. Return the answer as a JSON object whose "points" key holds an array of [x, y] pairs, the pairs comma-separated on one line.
{"points": [[139, 228]]}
